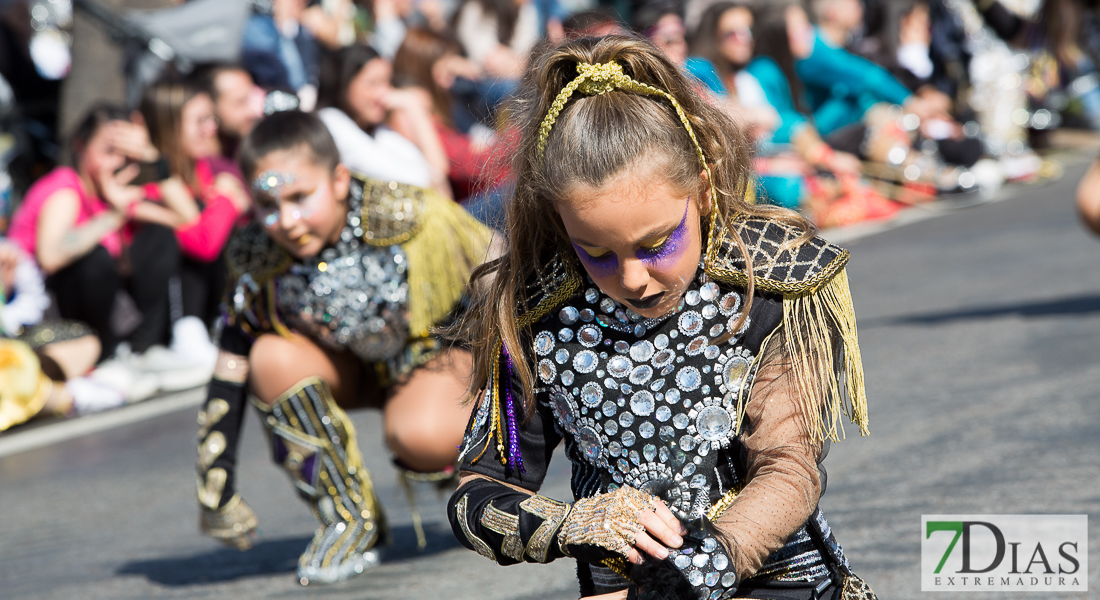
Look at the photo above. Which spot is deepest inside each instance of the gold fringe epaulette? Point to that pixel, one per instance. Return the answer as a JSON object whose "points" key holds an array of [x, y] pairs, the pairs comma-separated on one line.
{"points": [[442, 242], [819, 324]]}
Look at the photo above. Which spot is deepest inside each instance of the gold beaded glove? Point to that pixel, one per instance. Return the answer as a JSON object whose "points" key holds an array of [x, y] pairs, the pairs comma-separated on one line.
{"points": [[609, 521]]}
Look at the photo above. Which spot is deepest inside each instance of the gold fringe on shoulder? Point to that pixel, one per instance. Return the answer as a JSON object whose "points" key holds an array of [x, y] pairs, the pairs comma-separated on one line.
{"points": [[823, 370], [449, 244]]}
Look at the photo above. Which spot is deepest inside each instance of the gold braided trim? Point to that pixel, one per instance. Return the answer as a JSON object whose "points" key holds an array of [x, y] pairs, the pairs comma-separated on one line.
{"points": [[810, 320], [722, 505], [448, 245], [565, 291], [619, 565], [598, 79]]}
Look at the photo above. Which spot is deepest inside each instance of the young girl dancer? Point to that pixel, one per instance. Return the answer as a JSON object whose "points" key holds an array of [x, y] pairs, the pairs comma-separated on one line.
{"points": [[694, 352], [337, 287]]}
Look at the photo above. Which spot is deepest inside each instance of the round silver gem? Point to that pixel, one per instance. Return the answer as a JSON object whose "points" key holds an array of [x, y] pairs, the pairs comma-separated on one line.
{"points": [[682, 561], [700, 560], [561, 356], [614, 448], [565, 335], [642, 351], [672, 396], [663, 358], [664, 413], [688, 378], [587, 315], [729, 304], [591, 295], [668, 434], [713, 423], [544, 343], [610, 427], [628, 438], [717, 330], [711, 352], [568, 315], [649, 451], [622, 465], [734, 371], [709, 291], [687, 443], [695, 578], [646, 430], [696, 346], [547, 370], [729, 579], [710, 545], [567, 377], [641, 374], [626, 419], [681, 421], [709, 311], [589, 336], [622, 347], [619, 366], [711, 578], [592, 393], [692, 297], [607, 305], [690, 323], [588, 440], [639, 330], [720, 562], [585, 361], [661, 341], [609, 409], [642, 403]]}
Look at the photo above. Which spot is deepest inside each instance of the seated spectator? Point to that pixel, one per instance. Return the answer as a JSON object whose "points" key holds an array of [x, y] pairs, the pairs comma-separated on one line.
{"points": [[42, 364], [280, 53], [208, 196], [430, 62], [597, 22], [362, 110], [238, 102], [78, 223]]}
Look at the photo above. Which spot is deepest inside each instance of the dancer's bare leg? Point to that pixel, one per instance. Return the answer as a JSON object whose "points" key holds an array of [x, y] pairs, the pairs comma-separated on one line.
{"points": [[278, 363], [425, 416]]}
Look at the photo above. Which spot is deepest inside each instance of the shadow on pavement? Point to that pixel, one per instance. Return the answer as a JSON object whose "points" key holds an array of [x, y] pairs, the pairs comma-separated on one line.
{"points": [[273, 557], [1064, 307]]}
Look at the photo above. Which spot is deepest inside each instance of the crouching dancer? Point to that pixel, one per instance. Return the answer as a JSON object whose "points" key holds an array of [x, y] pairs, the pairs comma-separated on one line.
{"points": [[693, 352], [335, 289]]}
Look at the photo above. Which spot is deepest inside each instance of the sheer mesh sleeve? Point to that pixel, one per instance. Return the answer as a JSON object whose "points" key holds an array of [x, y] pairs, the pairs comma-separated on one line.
{"points": [[783, 478]]}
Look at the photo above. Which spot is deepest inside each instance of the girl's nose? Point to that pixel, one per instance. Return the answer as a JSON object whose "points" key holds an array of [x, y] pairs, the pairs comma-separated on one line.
{"points": [[633, 276]]}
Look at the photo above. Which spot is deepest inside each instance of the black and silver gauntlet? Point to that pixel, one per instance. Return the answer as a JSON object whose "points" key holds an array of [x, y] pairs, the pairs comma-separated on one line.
{"points": [[223, 514]]}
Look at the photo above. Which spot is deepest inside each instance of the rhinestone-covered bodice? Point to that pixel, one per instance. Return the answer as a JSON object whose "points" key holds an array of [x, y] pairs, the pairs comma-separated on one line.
{"points": [[650, 402], [352, 295]]}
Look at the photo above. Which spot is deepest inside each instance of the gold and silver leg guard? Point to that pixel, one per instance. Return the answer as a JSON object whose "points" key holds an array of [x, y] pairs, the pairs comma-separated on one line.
{"points": [[314, 441]]}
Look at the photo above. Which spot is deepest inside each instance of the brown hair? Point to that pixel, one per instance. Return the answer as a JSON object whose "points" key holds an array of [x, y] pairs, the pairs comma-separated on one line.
{"points": [[413, 64], [593, 139], [162, 108]]}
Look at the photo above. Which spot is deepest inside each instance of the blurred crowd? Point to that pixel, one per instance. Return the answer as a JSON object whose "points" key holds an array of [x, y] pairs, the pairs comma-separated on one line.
{"points": [[113, 231]]}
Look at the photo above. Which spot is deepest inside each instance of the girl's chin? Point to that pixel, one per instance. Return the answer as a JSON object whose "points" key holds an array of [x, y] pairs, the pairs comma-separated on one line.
{"points": [[302, 249]]}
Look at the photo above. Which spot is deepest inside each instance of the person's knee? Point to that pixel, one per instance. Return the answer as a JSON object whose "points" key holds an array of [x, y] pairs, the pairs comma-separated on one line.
{"points": [[157, 249], [424, 443]]}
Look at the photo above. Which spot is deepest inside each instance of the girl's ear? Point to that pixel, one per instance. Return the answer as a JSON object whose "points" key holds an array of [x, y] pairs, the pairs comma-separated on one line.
{"points": [[706, 203], [341, 180]]}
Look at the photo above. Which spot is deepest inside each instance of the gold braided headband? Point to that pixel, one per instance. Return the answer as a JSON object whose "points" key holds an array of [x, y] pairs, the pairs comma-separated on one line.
{"points": [[593, 80]]}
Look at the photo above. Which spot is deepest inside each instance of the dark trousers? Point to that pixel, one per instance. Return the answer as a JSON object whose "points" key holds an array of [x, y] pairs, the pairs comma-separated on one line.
{"points": [[202, 285], [87, 288]]}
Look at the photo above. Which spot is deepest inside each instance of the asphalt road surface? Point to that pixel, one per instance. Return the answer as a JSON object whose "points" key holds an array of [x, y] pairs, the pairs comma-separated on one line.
{"points": [[980, 332]]}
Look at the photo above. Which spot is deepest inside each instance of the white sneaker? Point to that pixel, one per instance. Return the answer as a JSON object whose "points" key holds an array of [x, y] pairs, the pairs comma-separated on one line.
{"points": [[174, 372], [120, 375], [191, 339], [90, 396]]}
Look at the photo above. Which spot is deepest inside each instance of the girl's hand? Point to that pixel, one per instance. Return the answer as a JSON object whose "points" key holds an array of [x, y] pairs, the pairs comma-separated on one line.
{"points": [[116, 189], [626, 521], [230, 187], [132, 139], [843, 164], [177, 196]]}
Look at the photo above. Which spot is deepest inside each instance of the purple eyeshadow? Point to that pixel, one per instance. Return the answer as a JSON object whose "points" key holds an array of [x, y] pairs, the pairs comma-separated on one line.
{"points": [[608, 264]]}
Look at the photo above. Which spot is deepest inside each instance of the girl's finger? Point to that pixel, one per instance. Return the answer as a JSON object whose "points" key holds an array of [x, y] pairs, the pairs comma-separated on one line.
{"points": [[656, 527], [651, 547], [670, 519]]}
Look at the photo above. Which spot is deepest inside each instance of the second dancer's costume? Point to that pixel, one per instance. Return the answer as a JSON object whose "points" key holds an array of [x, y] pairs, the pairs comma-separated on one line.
{"points": [[400, 267]]}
